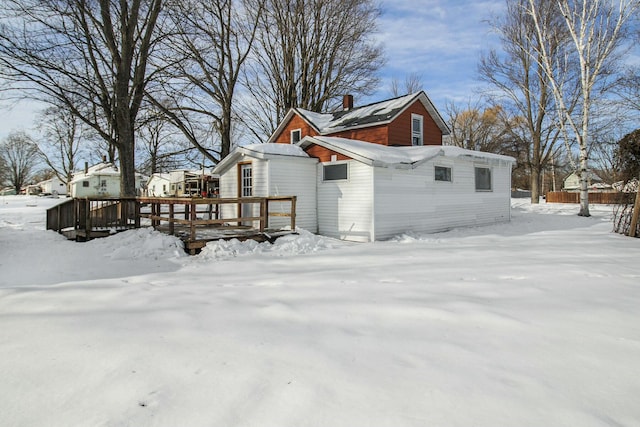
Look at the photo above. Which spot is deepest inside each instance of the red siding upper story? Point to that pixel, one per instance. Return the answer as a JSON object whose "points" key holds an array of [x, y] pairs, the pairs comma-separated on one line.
{"points": [[400, 128], [296, 122], [398, 132], [324, 154]]}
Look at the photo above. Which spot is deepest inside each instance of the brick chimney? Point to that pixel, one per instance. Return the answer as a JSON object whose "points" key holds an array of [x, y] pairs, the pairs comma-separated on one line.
{"points": [[347, 102]]}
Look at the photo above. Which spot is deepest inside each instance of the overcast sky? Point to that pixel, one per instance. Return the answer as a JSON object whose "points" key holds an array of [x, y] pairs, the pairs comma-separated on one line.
{"points": [[440, 40]]}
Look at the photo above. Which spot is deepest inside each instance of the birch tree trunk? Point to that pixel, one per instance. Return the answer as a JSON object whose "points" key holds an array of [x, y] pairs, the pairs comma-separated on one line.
{"points": [[597, 29]]}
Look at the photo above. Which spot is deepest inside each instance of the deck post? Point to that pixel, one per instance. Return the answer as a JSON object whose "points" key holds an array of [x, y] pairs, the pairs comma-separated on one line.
{"points": [[266, 213], [171, 223], [87, 221], [136, 220], [192, 227], [263, 210], [293, 213]]}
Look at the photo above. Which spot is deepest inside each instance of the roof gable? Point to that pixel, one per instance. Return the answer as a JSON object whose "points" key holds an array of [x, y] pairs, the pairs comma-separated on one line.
{"points": [[260, 151], [378, 113]]}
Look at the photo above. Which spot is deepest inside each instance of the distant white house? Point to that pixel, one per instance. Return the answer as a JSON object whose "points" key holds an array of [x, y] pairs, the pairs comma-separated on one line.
{"points": [[368, 192], [572, 182], [101, 180], [159, 185], [53, 186]]}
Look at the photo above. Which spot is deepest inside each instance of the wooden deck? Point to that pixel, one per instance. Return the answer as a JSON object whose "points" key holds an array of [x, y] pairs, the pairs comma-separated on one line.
{"points": [[195, 221]]}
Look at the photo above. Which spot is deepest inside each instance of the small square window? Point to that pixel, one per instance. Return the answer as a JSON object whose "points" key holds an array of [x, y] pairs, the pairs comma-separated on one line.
{"points": [[295, 136], [85, 183], [334, 172], [442, 173], [483, 179]]}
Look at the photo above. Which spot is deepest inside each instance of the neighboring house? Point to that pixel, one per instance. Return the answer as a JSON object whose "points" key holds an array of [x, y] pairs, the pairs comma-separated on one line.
{"points": [[395, 177], [572, 182], [8, 191], [101, 180], [54, 186], [159, 185], [182, 183]]}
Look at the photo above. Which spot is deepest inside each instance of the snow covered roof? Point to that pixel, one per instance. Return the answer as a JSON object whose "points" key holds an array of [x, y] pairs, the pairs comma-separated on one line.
{"points": [[160, 176], [368, 115], [101, 169], [104, 168], [260, 151], [398, 157]]}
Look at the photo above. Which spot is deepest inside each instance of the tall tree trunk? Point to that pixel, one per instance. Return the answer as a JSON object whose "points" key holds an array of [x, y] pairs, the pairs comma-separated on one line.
{"points": [[584, 183], [126, 151]]}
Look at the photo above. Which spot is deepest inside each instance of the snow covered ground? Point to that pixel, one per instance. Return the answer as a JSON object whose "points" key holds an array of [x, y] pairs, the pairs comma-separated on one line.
{"points": [[531, 323]]}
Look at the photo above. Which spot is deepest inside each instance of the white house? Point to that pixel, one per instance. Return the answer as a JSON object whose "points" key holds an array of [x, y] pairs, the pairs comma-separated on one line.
{"points": [[371, 172], [379, 191], [159, 185], [54, 186], [101, 180]]}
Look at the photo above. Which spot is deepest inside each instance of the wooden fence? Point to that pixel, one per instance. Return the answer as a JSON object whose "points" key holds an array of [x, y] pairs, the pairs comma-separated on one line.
{"points": [[612, 198]]}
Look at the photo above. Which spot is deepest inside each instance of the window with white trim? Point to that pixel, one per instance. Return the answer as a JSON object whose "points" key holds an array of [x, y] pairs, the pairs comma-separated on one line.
{"points": [[483, 179], [296, 135], [442, 173], [335, 172], [416, 129]]}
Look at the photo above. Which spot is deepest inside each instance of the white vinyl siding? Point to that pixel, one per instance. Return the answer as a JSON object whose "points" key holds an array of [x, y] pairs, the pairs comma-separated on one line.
{"points": [[289, 176], [345, 208], [294, 177], [410, 200]]}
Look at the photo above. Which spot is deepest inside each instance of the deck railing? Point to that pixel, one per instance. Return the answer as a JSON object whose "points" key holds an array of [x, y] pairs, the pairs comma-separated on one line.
{"points": [[197, 212], [87, 215], [85, 218]]}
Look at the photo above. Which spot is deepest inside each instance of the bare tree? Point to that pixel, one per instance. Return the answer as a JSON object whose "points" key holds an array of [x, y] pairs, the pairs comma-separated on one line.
{"points": [[204, 55], [64, 135], [158, 142], [19, 156], [310, 53], [478, 129], [90, 56], [597, 29], [520, 82], [412, 84]]}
